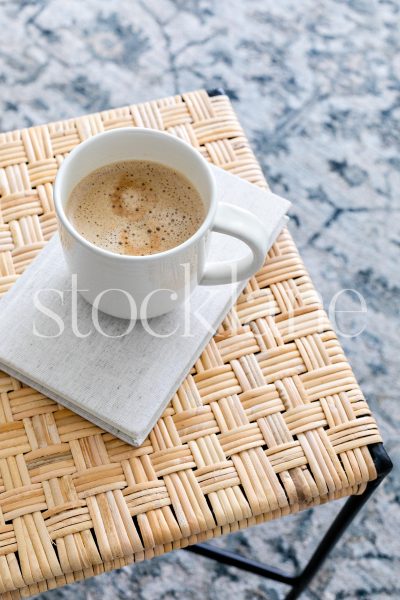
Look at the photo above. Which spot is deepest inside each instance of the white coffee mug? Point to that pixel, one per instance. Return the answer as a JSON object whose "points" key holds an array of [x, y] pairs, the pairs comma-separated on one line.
{"points": [[133, 287]]}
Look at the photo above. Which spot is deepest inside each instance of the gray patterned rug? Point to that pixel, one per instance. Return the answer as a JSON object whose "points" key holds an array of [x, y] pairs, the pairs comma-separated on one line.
{"points": [[316, 85]]}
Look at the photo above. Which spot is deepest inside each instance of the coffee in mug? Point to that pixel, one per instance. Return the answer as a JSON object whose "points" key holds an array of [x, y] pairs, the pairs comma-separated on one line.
{"points": [[158, 279], [135, 207]]}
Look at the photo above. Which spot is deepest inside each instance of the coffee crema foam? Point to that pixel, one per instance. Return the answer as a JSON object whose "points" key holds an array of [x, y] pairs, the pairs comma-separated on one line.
{"points": [[135, 207]]}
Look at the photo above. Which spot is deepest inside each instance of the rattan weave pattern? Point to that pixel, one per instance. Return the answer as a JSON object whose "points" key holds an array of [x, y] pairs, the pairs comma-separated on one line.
{"points": [[269, 421]]}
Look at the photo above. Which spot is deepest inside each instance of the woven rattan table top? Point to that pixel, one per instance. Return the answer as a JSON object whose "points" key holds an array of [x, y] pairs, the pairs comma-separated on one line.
{"points": [[269, 421]]}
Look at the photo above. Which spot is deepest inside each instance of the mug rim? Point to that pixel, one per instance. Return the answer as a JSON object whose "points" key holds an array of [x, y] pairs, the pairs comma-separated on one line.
{"points": [[74, 154]]}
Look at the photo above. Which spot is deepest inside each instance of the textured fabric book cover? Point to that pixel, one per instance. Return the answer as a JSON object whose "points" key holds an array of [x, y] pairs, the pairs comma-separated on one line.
{"points": [[120, 381]]}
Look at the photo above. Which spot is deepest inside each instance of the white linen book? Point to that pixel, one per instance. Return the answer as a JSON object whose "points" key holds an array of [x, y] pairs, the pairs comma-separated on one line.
{"points": [[121, 384]]}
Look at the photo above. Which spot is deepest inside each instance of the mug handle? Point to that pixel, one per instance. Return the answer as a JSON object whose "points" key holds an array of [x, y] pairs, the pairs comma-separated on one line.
{"points": [[245, 226]]}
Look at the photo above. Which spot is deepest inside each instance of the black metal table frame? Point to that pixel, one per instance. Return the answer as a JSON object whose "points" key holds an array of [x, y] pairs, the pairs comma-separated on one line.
{"points": [[300, 581]]}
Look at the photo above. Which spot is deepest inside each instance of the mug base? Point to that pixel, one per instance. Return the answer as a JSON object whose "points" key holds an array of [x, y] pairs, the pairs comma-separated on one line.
{"points": [[122, 306]]}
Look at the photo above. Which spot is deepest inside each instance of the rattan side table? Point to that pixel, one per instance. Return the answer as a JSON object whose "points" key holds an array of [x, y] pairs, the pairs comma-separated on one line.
{"points": [[269, 421]]}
